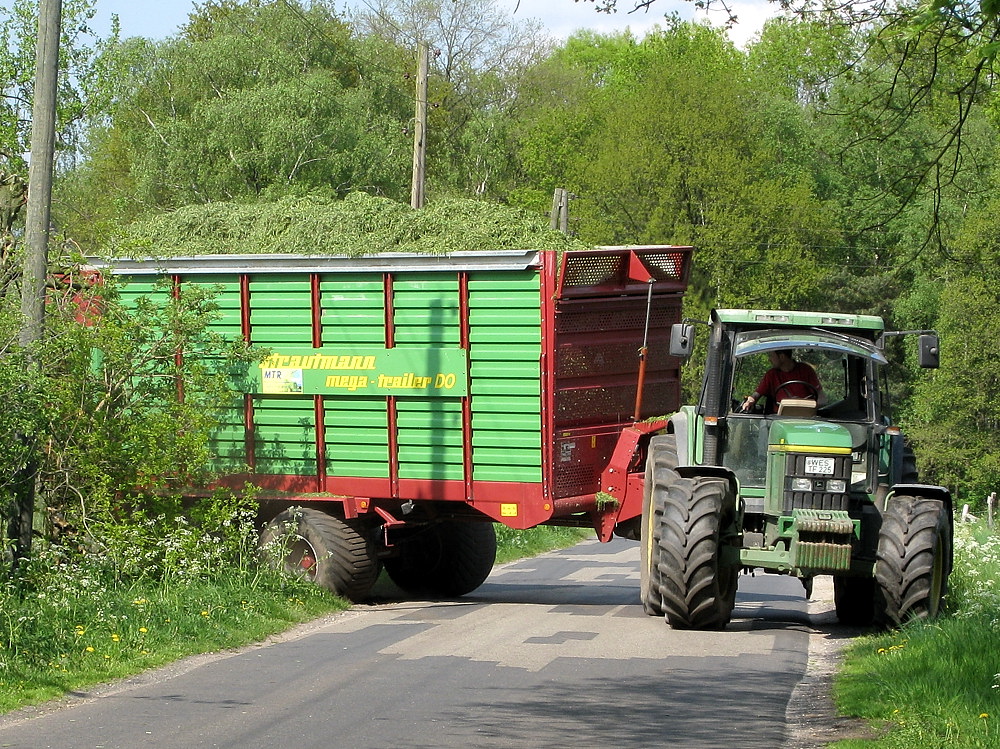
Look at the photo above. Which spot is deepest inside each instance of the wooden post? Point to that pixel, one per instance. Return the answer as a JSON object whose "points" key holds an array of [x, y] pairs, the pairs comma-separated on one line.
{"points": [[420, 129], [36, 234]]}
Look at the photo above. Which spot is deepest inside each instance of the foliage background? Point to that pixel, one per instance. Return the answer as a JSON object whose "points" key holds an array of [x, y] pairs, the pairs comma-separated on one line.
{"points": [[838, 161]]}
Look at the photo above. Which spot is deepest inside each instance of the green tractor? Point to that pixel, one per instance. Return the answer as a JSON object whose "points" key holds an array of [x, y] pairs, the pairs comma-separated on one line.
{"points": [[810, 480]]}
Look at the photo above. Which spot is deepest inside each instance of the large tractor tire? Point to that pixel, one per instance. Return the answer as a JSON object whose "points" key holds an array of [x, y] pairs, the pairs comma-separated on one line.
{"points": [[661, 471], [913, 560], [697, 588], [854, 600], [447, 559], [335, 554]]}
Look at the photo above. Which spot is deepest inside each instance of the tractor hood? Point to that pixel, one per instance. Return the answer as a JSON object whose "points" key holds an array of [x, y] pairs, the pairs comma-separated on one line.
{"points": [[817, 436]]}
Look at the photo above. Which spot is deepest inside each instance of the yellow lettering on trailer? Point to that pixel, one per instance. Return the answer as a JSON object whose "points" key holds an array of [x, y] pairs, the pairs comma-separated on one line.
{"points": [[347, 382], [508, 510], [349, 362]]}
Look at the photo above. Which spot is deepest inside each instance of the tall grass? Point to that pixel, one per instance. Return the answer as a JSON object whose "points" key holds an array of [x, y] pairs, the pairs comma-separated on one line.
{"points": [[935, 684]]}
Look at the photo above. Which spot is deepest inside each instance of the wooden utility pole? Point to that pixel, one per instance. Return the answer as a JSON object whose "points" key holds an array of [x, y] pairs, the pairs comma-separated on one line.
{"points": [[420, 129], [559, 218], [36, 234], [43, 137]]}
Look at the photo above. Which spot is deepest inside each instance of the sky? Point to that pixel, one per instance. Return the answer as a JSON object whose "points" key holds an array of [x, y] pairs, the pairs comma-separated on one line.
{"points": [[158, 19]]}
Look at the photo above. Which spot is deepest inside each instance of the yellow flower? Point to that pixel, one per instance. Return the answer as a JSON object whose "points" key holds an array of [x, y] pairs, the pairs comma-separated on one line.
{"points": [[204, 613], [984, 715], [143, 630], [90, 649], [116, 638]]}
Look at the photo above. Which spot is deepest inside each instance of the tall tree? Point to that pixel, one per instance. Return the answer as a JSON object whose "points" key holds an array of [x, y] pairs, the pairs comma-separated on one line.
{"points": [[661, 142], [480, 55], [251, 99]]}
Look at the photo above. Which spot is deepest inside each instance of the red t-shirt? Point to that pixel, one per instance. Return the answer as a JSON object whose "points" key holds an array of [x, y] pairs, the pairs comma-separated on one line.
{"points": [[774, 378]]}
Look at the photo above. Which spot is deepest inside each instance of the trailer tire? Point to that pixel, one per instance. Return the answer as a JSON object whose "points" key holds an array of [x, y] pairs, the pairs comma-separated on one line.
{"points": [[336, 554], [661, 465], [447, 559], [697, 589], [854, 600], [913, 560]]}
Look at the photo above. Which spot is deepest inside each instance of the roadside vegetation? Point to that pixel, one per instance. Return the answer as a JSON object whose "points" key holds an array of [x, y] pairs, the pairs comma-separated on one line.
{"points": [[937, 683]]}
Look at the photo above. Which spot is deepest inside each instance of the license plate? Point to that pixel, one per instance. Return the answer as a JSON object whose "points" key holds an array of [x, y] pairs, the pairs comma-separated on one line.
{"points": [[821, 466]]}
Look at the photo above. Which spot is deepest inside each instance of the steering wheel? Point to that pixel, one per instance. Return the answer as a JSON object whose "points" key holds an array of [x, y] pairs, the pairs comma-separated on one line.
{"points": [[813, 392]]}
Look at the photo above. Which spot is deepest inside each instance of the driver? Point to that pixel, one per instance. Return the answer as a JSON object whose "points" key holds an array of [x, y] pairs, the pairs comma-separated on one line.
{"points": [[787, 378]]}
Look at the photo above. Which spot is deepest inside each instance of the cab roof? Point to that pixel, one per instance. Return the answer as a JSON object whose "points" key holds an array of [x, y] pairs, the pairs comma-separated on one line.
{"points": [[868, 326]]}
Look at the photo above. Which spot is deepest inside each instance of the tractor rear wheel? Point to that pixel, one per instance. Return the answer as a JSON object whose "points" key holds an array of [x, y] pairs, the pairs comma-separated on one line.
{"points": [[448, 559], [698, 589], [913, 560], [661, 465], [335, 554]]}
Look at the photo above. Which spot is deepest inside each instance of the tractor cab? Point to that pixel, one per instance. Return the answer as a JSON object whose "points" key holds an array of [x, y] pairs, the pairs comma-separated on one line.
{"points": [[848, 410]]}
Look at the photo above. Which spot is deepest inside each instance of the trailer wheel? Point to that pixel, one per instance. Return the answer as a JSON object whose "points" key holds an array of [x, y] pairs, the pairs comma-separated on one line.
{"points": [[331, 552], [447, 559], [661, 464], [697, 588], [913, 560], [854, 600]]}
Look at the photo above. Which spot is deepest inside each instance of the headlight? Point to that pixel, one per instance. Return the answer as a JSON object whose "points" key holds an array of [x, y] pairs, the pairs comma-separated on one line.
{"points": [[836, 485], [802, 485]]}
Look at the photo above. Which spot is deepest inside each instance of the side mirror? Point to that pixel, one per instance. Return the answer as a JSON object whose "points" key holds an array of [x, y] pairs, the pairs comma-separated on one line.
{"points": [[682, 340], [930, 352]]}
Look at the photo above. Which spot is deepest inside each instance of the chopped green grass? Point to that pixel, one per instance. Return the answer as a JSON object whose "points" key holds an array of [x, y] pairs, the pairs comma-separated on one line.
{"points": [[360, 224]]}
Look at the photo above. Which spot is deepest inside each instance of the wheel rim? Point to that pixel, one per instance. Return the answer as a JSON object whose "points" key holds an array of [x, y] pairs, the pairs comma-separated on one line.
{"points": [[301, 558]]}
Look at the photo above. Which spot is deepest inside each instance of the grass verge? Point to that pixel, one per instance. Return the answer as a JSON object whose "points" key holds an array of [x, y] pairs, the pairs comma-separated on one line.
{"points": [[935, 684], [64, 628], [512, 545], [59, 644]]}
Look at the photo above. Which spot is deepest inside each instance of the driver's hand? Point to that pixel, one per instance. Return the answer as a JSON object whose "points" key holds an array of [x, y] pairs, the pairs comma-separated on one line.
{"points": [[747, 404]]}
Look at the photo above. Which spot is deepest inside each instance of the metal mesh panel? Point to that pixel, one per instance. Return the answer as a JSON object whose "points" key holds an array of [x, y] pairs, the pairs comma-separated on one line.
{"points": [[666, 266], [592, 271], [576, 480], [587, 405]]}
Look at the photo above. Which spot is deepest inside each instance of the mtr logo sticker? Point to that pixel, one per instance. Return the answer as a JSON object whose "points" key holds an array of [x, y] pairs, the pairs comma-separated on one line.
{"points": [[397, 371]]}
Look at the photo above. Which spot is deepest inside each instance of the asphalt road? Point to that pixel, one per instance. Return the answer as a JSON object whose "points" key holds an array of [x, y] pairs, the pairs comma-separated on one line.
{"points": [[550, 652]]}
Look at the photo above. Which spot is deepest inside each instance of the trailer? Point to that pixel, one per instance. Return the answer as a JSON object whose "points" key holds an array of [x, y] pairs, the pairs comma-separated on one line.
{"points": [[405, 401]]}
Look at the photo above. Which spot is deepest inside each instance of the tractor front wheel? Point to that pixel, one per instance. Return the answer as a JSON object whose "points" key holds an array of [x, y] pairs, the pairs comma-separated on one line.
{"points": [[661, 465], [335, 554], [697, 587], [913, 560]]}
